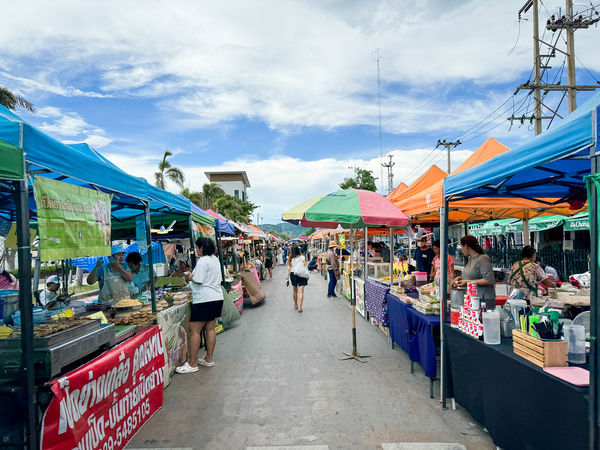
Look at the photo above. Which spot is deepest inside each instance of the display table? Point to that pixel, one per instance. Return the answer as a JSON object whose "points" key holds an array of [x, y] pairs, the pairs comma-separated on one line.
{"points": [[414, 333], [378, 269], [520, 405]]}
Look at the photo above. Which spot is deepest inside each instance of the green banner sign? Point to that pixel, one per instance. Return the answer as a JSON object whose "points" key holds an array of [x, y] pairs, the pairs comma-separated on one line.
{"points": [[578, 223], [73, 221]]}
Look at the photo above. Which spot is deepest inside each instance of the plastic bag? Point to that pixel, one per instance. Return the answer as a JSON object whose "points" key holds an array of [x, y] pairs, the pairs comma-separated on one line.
{"points": [[230, 312]]}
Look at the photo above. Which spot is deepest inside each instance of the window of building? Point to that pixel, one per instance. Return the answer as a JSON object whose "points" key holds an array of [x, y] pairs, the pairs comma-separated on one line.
{"points": [[237, 194], [244, 195]]}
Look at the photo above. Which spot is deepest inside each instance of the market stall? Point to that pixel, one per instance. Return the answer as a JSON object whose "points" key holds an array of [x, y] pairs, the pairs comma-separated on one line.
{"points": [[73, 213], [552, 165]]}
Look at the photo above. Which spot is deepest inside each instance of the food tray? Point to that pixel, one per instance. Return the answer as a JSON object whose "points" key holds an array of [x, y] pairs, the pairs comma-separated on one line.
{"points": [[55, 338]]}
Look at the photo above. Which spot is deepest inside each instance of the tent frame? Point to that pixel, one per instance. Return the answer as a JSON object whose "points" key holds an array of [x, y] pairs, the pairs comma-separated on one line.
{"points": [[594, 393]]}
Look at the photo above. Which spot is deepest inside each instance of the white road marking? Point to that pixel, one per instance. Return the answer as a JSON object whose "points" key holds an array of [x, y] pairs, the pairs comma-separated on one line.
{"points": [[423, 446]]}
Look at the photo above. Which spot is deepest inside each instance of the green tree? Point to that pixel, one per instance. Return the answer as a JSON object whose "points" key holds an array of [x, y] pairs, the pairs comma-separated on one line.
{"points": [[167, 171], [281, 235], [235, 209], [363, 179], [212, 192], [311, 231], [13, 101]]}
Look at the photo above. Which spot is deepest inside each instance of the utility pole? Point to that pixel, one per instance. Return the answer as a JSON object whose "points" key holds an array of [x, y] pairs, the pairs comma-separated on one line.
{"points": [[448, 146], [568, 23], [389, 166], [537, 94]]}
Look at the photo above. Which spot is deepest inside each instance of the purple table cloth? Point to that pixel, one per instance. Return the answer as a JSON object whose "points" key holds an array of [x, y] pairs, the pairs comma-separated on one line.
{"points": [[375, 300]]}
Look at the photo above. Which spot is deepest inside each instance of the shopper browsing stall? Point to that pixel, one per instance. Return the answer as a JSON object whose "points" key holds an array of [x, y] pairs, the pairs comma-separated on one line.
{"points": [[207, 304], [525, 275], [478, 270], [435, 268], [333, 268]]}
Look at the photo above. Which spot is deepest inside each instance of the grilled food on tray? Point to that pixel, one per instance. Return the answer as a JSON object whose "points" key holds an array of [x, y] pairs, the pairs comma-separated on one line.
{"points": [[127, 303]]}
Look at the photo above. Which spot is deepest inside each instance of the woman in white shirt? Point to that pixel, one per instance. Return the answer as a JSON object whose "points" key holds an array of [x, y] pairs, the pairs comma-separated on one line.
{"points": [[297, 268], [207, 304]]}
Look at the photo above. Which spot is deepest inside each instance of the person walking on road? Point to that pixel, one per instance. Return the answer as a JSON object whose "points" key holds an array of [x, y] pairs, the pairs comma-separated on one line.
{"points": [[269, 262], [333, 268], [298, 275], [207, 304]]}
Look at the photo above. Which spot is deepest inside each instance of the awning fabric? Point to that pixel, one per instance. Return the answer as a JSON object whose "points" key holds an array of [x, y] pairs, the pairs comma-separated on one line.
{"points": [[405, 198], [551, 165], [500, 227], [491, 227], [222, 224], [578, 222], [43, 152], [202, 217], [12, 167]]}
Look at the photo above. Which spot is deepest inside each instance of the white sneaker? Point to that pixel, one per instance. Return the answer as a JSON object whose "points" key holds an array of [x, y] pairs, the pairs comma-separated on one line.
{"points": [[186, 368], [202, 362]]}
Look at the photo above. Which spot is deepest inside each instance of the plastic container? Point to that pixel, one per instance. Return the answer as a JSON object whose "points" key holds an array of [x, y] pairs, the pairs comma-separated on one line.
{"points": [[420, 276], [575, 336], [515, 307], [491, 327], [472, 289], [9, 303], [39, 316], [454, 316]]}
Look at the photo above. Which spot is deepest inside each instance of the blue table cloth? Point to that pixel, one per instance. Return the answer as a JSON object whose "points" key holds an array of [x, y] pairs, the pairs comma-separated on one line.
{"points": [[412, 331], [400, 327]]}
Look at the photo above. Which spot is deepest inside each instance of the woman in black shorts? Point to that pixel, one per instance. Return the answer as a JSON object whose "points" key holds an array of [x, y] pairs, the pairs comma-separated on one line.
{"points": [[207, 303], [295, 263], [269, 262]]}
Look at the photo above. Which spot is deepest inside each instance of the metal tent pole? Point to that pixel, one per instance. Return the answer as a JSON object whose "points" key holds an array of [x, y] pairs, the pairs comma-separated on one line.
{"points": [[192, 249], [218, 234], [354, 355], [391, 258], [594, 403], [26, 308], [444, 295], [150, 259]]}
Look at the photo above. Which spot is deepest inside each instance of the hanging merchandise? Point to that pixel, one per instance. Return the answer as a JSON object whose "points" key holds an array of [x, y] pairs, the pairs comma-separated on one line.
{"points": [[73, 221], [342, 241]]}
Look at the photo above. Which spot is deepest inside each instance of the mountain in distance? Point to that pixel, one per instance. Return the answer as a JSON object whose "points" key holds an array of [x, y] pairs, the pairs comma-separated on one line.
{"points": [[288, 229]]}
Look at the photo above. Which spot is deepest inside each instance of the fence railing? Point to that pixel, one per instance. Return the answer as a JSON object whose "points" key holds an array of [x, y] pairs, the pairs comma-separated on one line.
{"points": [[566, 262]]}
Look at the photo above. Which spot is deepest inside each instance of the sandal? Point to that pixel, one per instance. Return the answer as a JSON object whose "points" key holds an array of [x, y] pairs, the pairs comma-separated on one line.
{"points": [[299, 309]]}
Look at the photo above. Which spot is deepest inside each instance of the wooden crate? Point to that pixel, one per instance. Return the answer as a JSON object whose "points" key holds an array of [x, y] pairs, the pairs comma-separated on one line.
{"points": [[541, 353]]}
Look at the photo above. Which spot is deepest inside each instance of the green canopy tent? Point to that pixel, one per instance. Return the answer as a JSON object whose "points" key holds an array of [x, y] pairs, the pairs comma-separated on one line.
{"points": [[13, 163]]}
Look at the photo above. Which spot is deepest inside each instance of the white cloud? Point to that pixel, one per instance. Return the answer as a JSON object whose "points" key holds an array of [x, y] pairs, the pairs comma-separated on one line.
{"points": [[71, 127], [292, 63]]}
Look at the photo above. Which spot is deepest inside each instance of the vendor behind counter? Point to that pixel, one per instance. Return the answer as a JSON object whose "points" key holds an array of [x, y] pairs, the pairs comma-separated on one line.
{"points": [[527, 274], [113, 278], [50, 292]]}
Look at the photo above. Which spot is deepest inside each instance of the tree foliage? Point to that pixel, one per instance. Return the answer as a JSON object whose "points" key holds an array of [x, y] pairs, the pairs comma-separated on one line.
{"points": [[214, 197], [281, 235], [311, 231], [363, 179], [13, 101], [167, 171]]}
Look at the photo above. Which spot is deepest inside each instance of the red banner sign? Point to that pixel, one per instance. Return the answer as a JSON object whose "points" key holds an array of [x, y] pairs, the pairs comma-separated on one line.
{"points": [[102, 404]]}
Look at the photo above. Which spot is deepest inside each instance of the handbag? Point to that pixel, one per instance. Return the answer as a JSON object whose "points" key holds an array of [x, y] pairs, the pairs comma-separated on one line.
{"points": [[300, 270]]}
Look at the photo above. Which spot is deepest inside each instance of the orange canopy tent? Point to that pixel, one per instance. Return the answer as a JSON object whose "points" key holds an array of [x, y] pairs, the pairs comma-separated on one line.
{"points": [[422, 201]]}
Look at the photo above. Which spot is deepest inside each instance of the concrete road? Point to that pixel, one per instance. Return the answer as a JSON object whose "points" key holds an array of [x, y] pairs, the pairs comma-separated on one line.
{"points": [[278, 383]]}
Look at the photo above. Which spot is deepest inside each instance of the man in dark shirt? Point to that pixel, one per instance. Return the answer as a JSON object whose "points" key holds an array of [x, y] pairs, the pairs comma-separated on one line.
{"points": [[424, 256]]}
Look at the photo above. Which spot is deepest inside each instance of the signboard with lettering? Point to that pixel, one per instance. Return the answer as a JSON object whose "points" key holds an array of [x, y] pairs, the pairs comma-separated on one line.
{"points": [[102, 404], [73, 221]]}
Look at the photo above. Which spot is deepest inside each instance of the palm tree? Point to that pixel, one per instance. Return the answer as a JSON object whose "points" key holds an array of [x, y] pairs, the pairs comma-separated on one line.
{"points": [[165, 170], [212, 192], [13, 101]]}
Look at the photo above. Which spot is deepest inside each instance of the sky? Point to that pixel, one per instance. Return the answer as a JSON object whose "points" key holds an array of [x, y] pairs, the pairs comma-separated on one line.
{"points": [[285, 90]]}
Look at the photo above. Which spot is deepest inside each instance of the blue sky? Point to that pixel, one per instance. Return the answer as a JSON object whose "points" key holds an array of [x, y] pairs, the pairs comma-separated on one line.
{"points": [[286, 90]]}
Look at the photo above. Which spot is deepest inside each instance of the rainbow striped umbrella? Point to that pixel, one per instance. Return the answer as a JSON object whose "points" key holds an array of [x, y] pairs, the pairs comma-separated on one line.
{"points": [[350, 208]]}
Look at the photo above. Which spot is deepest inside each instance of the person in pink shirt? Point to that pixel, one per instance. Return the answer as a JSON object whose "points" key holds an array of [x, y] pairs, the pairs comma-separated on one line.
{"points": [[436, 263], [8, 281]]}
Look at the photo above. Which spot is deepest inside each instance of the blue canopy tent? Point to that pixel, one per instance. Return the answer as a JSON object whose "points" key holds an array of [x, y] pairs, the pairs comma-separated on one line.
{"points": [[551, 165], [79, 165]]}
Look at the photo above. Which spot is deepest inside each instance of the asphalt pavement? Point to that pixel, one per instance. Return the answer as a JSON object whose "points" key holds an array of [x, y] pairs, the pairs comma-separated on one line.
{"points": [[278, 382]]}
